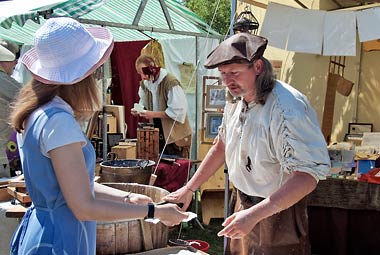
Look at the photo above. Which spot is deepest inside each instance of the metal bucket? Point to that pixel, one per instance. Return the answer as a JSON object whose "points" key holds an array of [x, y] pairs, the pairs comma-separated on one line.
{"points": [[126, 171], [136, 235]]}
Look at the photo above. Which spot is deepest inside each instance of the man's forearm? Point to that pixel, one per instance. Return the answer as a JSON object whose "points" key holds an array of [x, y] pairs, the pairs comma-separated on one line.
{"points": [[297, 187]]}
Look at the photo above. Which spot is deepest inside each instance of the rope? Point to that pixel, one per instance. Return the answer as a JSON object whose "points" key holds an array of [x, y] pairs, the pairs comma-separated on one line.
{"points": [[186, 87]]}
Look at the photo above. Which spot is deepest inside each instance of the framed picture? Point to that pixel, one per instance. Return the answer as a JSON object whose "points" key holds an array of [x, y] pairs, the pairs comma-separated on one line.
{"points": [[215, 96], [359, 128], [211, 80], [213, 121]]}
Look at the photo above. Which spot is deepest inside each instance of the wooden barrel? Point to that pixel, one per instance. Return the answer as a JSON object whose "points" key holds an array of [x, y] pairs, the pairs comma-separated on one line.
{"points": [[126, 171], [132, 236]]}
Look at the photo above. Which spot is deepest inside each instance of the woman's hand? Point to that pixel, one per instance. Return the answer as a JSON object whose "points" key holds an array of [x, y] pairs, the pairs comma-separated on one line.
{"points": [[238, 225], [170, 214], [134, 198], [183, 195]]}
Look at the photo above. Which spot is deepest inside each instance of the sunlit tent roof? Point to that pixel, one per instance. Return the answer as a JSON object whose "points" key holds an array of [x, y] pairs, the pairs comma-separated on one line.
{"points": [[128, 20]]}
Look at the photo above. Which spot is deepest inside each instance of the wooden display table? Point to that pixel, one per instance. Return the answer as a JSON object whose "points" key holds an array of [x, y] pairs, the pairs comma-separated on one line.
{"points": [[344, 218]]}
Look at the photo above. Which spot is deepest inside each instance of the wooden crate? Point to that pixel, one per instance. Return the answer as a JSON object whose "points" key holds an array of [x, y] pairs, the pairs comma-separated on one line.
{"points": [[147, 146], [125, 151]]}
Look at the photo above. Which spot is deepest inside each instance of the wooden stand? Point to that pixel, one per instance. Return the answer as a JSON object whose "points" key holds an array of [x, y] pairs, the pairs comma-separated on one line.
{"points": [[212, 205], [212, 192], [147, 144]]}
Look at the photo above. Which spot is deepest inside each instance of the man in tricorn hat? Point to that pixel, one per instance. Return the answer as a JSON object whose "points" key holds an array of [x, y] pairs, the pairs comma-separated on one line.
{"points": [[271, 141], [8, 90]]}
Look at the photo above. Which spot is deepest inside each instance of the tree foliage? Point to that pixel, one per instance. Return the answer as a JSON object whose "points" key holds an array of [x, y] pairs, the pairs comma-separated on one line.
{"points": [[206, 9]]}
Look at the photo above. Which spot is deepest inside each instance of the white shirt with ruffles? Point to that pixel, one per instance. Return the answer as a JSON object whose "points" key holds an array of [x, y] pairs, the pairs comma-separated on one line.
{"points": [[177, 103], [265, 143]]}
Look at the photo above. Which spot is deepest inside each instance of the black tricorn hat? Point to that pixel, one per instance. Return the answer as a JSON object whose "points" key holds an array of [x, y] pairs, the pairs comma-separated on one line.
{"points": [[240, 47]]}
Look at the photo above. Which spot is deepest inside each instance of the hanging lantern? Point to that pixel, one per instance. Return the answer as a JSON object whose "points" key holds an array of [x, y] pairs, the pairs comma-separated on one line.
{"points": [[245, 22]]}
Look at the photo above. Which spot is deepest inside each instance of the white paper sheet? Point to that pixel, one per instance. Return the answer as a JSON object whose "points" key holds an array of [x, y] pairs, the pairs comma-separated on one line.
{"points": [[276, 24], [368, 21], [138, 107], [306, 31], [191, 216], [340, 34]]}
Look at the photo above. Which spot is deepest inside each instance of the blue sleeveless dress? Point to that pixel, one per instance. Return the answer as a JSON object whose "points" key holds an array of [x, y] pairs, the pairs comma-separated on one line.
{"points": [[49, 226]]}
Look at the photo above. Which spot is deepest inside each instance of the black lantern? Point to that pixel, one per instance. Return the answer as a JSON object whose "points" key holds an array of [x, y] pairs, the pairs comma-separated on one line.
{"points": [[245, 22]]}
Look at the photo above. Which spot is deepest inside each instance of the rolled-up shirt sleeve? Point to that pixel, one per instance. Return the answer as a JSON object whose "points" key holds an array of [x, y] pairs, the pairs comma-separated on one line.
{"points": [[142, 97], [299, 143]]}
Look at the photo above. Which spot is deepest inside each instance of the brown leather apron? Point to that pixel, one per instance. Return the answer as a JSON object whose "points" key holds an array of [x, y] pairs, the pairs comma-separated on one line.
{"points": [[285, 233]]}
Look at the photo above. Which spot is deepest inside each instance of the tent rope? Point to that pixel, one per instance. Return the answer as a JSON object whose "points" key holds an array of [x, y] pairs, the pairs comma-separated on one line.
{"points": [[187, 86]]}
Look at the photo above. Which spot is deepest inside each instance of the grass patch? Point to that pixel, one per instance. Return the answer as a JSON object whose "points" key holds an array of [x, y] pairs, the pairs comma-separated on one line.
{"points": [[193, 231]]}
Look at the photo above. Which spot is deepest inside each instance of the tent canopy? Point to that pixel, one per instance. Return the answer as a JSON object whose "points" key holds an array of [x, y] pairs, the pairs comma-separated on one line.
{"points": [[130, 20]]}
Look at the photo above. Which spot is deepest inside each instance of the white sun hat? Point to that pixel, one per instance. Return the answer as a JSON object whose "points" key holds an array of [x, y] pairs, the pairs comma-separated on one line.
{"points": [[6, 55], [66, 52]]}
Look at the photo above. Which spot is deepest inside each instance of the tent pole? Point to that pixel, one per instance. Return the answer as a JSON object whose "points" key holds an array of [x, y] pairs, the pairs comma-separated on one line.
{"points": [[226, 197], [144, 28], [226, 178], [195, 138], [104, 96], [357, 90]]}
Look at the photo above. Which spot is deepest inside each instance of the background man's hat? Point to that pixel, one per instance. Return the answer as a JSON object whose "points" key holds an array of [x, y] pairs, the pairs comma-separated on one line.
{"points": [[238, 48], [66, 52], [8, 50]]}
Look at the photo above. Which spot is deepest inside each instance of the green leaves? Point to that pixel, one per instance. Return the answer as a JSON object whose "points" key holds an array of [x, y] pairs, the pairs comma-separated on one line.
{"points": [[206, 9]]}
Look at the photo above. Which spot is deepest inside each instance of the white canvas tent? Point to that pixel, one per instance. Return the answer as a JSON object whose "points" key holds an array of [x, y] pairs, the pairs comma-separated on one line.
{"points": [[131, 20], [308, 72]]}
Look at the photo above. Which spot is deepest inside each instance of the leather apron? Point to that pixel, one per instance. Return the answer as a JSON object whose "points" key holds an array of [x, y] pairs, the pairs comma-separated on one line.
{"points": [[285, 233]]}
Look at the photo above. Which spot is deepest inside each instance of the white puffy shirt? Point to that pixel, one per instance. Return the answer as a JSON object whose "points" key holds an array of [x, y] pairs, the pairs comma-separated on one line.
{"points": [[177, 103], [274, 139]]}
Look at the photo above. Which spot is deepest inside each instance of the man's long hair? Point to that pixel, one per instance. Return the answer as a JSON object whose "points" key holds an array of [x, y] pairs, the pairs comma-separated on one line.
{"points": [[264, 82]]}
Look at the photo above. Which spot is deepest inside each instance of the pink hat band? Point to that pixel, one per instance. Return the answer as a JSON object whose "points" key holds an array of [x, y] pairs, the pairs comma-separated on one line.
{"points": [[66, 52]]}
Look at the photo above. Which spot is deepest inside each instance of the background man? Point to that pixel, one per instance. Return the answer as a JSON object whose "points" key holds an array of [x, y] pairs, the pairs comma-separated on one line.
{"points": [[8, 90]]}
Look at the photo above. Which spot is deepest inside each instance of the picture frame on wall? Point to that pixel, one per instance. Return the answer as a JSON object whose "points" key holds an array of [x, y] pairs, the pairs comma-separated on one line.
{"points": [[213, 121], [359, 128], [211, 81], [215, 97]]}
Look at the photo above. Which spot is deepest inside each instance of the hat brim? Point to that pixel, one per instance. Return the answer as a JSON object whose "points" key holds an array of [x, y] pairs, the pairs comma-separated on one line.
{"points": [[6, 55], [76, 70]]}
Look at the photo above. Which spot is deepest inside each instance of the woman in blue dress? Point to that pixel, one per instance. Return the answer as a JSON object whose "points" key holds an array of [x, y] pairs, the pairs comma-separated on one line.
{"points": [[58, 160]]}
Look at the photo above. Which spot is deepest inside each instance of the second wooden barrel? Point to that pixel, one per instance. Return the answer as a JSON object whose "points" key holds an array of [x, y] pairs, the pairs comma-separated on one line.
{"points": [[132, 236]]}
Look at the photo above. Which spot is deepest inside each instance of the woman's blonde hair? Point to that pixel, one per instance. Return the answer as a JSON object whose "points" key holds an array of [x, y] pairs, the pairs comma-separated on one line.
{"points": [[82, 97]]}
